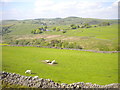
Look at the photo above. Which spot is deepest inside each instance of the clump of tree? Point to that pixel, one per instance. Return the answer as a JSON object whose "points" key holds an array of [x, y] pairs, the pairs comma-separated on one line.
{"points": [[64, 44], [55, 43], [64, 31], [39, 30], [71, 45], [43, 42], [43, 28], [56, 29], [73, 26], [104, 24], [86, 25]]}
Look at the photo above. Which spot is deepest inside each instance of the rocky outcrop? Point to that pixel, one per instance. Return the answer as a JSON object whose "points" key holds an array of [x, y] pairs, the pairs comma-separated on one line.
{"points": [[29, 81]]}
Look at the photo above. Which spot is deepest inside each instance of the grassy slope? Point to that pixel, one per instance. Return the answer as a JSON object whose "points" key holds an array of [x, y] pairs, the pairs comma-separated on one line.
{"points": [[23, 29], [99, 38], [73, 66], [92, 38], [105, 32], [99, 32]]}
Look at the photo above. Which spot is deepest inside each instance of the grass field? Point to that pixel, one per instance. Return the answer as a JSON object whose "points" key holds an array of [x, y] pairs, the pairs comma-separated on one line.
{"points": [[104, 32], [73, 66], [104, 38]]}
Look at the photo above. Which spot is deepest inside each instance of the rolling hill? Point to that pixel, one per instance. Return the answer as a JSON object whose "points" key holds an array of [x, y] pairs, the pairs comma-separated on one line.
{"points": [[96, 38]]}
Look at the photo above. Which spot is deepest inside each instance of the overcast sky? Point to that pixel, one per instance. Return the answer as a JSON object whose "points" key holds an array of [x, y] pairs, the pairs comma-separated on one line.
{"points": [[31, 9]]}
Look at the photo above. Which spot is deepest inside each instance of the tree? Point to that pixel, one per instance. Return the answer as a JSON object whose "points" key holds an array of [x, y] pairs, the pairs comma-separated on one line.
{"points": [[55, 42], [104, 24], [33, 31], [54, 28], [64, 31], [57, 29], [73, 26], [16, 42], [78, 26], [37, 31], [71, 45], [42, 39], [26, 42], [45, 27], [86, 24], [65, 44], [40, 28], [59, 44], [82, 26]]}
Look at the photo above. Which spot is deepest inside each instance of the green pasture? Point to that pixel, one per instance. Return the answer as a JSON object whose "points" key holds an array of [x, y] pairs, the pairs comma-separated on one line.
{"points": [[103, 32], [73, 66], [23, 29], [104, 38]]}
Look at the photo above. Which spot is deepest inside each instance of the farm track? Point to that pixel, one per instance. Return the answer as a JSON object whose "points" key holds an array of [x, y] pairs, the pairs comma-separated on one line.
{"points": [[64, 48]]}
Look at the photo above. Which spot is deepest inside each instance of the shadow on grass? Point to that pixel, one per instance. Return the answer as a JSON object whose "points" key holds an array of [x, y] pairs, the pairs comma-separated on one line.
{"points": [[33, 73]]}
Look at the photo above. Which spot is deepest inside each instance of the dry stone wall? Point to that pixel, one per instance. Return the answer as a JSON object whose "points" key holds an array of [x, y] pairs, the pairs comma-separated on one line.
{"points": [[16, 79], [65, 48]]}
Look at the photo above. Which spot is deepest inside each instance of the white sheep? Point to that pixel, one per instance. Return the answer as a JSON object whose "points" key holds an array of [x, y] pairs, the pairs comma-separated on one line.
{"points": [[53, 62], [47, 61], [28, 71], [50, 63]]}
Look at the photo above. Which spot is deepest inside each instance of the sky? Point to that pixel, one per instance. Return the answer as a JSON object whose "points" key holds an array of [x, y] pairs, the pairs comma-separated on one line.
{"points": [[32, 9]]}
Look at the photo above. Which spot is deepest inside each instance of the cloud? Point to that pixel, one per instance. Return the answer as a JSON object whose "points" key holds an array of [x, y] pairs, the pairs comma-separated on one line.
{"points": [[8, 1], [12, 13], [62, 8], [50, 8], [16, 14]]}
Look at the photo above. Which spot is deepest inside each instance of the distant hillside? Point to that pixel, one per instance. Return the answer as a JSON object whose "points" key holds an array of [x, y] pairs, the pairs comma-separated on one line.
{"points": [[60, 21], [72, 20], [95, 37]]}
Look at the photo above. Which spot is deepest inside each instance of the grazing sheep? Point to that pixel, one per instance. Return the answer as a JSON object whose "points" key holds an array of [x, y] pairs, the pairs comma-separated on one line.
{"points": [[28, 71], [47, 61], [50, 63], [53, 62]]}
